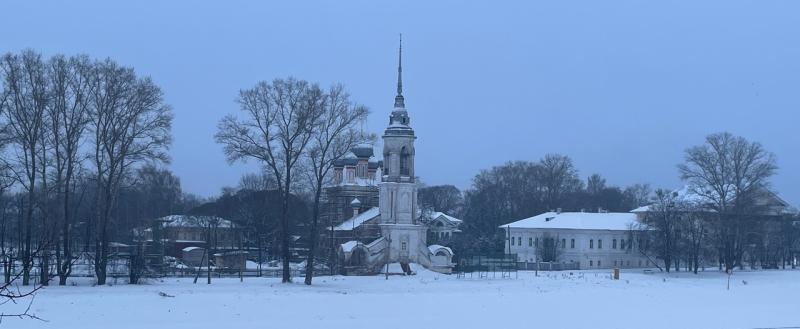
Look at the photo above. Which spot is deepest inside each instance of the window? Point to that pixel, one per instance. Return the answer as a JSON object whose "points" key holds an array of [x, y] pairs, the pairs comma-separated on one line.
{"points": [[614, 245], [519, 240], [403, 245], [630, 243], [615, 263], [572, 243], [361, 170], [591, 244], [536, 242], [563, 243], [622, 244], [591, 263], [598, 263], [530, 242], [405, 162], [599, 246]]}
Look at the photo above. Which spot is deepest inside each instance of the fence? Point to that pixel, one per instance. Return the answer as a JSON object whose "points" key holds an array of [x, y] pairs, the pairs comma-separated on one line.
{"points": [[548, 266], [119, 268], [484, 265]]}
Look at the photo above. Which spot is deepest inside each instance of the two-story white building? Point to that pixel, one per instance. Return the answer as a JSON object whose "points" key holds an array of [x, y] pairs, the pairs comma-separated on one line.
{"points": [[583, 240]]}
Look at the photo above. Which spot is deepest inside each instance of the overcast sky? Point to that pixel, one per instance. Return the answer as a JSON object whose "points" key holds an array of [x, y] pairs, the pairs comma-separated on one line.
{"points": [[622, 87]]}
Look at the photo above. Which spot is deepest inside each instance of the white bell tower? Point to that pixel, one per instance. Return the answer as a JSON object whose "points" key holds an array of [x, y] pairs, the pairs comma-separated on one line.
{"points": [[398, 189]]}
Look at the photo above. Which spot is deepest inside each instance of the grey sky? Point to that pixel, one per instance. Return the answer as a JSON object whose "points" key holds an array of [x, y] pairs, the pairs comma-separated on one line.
{"points": [[623, 87]]}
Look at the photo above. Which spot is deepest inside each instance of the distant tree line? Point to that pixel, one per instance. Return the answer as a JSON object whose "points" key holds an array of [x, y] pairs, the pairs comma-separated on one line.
{"points": [[522, 189]]}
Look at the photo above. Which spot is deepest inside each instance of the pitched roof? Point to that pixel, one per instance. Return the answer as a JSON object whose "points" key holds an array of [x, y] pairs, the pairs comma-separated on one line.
{"points": [[687, 195], [357, 220], [578, 221], [452, 219]]}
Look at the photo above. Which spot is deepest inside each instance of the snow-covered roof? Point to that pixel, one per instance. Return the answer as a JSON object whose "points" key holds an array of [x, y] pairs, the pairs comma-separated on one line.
{"points": [[230, 253], [357, 220], [349, 245], [194, 221], [446, 216], [435, 247], [684, 195], [688, 196], [577, 221], [187, 249]]}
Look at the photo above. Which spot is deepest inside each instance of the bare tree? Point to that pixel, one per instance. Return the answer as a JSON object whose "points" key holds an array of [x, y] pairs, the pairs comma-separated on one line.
{"points": [[731, 174], [595, 184], [558, 176], [68, 118], [25, 106], [279, 123], [692, 228], [444, 198], [637, 195], [256, 182], [130, 123], [550, 249], [662, 223], [334, 136]]}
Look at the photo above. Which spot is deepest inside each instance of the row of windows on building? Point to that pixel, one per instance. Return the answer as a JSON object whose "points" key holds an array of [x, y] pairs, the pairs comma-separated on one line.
{"points": [[534, 242]]}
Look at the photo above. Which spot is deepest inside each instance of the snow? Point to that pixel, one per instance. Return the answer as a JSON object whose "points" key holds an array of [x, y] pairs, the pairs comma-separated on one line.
{"points": [[446, 216], [689, 196], [435, 247], [578, 221], [578, 299], [349, 245], [356, 221], [188, 249], [194, 221]]}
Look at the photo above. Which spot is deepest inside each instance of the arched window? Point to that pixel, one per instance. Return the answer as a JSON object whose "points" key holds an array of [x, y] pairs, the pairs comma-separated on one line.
{"points": [[405, 162]]}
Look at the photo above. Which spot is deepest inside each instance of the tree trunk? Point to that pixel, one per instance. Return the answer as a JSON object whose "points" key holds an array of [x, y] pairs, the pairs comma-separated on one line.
{"points": [[285, 252], [27, 260], [64, 264], [313, 238], [44, 274]]}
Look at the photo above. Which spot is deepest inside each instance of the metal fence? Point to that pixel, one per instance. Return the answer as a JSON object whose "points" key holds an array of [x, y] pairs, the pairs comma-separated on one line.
{"points": [[548, 266], [487, 265]]}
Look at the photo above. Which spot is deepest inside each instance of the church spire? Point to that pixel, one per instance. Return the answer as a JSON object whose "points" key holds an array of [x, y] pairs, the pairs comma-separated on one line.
{"points": [[399, 102]]}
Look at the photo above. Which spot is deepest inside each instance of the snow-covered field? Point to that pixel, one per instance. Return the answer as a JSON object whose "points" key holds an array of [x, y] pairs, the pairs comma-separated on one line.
{"points": [[583, 299]]}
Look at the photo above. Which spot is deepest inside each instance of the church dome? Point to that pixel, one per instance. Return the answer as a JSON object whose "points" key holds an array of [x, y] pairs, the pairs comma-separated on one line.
{"points": [[363, 151]]}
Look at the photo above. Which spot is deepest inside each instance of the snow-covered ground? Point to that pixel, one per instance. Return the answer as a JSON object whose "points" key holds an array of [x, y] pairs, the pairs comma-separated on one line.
{"points": [[582, 299]]}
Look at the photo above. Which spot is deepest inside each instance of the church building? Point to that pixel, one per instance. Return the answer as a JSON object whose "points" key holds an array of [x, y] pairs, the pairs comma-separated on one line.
{"points": [[392, 232]]}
